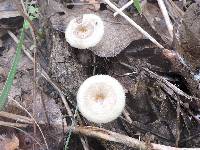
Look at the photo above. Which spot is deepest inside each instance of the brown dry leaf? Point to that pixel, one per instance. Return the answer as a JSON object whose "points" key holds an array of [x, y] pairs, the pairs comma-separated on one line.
{"points": [[21, 91], [95, 3], [52, 110], [22, 87], [118, 33], [157, 22], [9, 17], [9, 143], [8, 9]]}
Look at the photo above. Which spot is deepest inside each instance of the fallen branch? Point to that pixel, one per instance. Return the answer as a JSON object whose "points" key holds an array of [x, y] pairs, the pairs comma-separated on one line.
{"points": [[120, 138]]}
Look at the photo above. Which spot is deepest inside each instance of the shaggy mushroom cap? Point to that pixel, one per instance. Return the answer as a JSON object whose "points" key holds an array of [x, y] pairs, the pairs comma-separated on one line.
{"points": [[84, 32], [101, 99]]}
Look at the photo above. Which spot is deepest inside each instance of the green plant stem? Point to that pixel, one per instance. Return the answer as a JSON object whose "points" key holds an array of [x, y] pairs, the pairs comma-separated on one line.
{"points": [[11, 75]]}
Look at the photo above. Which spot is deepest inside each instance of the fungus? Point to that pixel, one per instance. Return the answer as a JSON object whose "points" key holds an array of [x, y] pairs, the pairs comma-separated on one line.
{"points": [[101, 99], [84, 32]]}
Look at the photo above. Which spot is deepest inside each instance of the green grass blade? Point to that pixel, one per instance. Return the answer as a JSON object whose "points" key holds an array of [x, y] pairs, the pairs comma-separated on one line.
{"points": [[137, 5], [11, 75]]}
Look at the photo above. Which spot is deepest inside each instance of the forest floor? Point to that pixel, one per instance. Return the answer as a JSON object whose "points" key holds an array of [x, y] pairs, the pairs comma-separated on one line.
{"points": [[161, 79]]}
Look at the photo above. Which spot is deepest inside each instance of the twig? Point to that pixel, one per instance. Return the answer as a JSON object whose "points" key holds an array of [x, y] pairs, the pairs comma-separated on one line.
{"points": [[134, 24], [124, 7], [174, 11], [167, 86], [178, 109], [20, 125], [166, 17], [45, 109], [127, 116], [81, 4], [19, 118], [171, 86], [120, 138], [33, 120]]}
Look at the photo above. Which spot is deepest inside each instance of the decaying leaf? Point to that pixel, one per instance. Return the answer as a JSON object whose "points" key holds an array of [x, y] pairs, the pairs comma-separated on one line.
{"points": [[8, 9], [8, 143], [156, 20], [118, 32], [95, 3]]}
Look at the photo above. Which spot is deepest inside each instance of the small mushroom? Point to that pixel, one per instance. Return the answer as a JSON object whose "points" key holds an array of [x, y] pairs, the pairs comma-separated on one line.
{"points": [[101, 99], [84, 32]]}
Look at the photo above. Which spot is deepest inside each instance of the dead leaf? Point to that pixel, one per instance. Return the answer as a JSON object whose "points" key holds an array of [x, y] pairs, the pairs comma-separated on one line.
{"points": [[118, 33], [95, 3], [9, 143], [8, 9], [157, 22]]}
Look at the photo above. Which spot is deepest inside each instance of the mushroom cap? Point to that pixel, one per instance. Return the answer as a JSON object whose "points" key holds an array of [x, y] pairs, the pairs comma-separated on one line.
{"points": [[101, 99], [84, 32]]}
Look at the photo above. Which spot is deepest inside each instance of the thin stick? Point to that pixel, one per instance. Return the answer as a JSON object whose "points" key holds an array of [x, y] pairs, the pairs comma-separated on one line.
{"points": [[80, 4], [127, 116], [33, 120], [134, 24], [124, 7], [166, 17], [45, 109], [20, 125], [19, 118], [120, 138], [178, 109]]}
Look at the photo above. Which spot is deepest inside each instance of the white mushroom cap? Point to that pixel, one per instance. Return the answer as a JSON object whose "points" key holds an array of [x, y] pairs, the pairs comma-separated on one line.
{"points": [[101, 99], [84, 32]]}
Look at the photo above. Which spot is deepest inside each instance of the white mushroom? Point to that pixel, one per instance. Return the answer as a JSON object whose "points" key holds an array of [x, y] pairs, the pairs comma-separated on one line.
{"points": [[84, 32], [101, 99]]}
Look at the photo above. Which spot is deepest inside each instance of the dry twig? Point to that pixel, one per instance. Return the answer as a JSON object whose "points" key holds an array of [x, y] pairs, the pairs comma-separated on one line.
{"points": [[166, 17], [120, 138], [124, 7], [16, 117], [35, 122], [19, 125]]}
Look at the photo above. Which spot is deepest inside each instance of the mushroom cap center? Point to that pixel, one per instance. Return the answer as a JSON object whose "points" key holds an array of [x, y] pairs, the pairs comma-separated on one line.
{"points": [[100, 97], [83, 30]]}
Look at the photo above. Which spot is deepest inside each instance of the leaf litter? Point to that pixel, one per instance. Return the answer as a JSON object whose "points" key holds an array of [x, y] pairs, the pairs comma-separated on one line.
{"points": [[151, 104]]}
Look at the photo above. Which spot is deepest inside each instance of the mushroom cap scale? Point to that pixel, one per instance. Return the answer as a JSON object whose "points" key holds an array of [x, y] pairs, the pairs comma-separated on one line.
{"points": [[84, 32], [101, 99]]}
